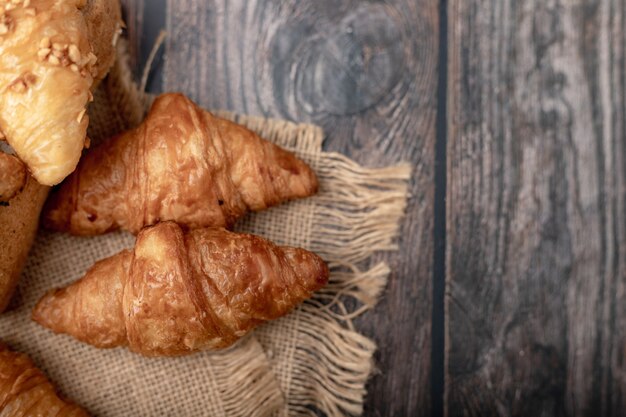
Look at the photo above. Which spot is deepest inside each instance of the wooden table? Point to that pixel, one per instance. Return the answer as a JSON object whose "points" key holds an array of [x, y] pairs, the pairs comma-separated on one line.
{"points": [[513, 114]]}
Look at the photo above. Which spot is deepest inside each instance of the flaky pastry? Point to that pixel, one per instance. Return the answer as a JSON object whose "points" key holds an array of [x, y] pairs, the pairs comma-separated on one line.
{"points": [[178, 293]]}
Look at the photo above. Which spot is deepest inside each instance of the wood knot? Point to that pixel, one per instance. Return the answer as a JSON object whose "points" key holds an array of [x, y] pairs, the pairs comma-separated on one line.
{"points": [[352, 66], [355, 66]]}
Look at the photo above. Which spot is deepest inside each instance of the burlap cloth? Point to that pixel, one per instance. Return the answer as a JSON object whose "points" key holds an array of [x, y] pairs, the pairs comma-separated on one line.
{"points": [[313, 359]]}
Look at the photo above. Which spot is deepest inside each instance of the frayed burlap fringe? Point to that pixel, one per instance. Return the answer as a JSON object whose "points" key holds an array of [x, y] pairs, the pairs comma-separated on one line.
{"points": [[362, 213], [311, 360], [322, 363], [248, 379]]}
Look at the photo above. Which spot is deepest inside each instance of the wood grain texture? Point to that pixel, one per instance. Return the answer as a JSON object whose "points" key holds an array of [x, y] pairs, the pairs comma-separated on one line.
{"points": [[367, 73], [133, 14], [536, 254]]}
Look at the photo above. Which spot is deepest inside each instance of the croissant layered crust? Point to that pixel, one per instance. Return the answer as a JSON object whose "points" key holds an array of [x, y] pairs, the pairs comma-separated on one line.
{"points": [[179, 292], [182, 164], [25, 390]]}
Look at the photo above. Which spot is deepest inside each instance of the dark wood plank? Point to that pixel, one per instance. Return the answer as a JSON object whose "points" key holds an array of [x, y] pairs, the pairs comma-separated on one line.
{"points": [[144, 21], [133, 13], [365, 72], [536, 254]]}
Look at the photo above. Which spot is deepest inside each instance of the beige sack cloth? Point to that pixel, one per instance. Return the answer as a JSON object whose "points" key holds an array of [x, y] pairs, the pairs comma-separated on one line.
{"points": [[311, 359]]}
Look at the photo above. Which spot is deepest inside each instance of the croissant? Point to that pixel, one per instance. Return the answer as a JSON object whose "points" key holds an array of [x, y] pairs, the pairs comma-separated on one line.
{"points": [[25, 390], [179, 292], [51, 54], [182, 164]]}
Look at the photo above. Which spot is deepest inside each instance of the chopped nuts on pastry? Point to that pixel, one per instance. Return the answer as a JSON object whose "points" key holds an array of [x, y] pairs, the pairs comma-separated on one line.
{"points": [[49, 62]]}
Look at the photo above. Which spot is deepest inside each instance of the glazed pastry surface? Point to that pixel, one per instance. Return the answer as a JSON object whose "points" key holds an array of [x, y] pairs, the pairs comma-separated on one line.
{"points": [[177, 292], [25, 390], [182, 164]]}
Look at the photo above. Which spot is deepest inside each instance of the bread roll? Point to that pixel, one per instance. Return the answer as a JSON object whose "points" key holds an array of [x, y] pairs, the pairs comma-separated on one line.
{"points": [[18, 226]]}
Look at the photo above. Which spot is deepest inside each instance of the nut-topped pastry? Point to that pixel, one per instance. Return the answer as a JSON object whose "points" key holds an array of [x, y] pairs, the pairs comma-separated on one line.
{"points": [[52, 52]]}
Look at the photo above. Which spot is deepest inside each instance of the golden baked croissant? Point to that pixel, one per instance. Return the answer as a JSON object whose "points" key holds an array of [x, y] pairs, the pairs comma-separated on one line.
{"points": [[182, 164], [51, 53], [25, 390], [178, 292]]}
